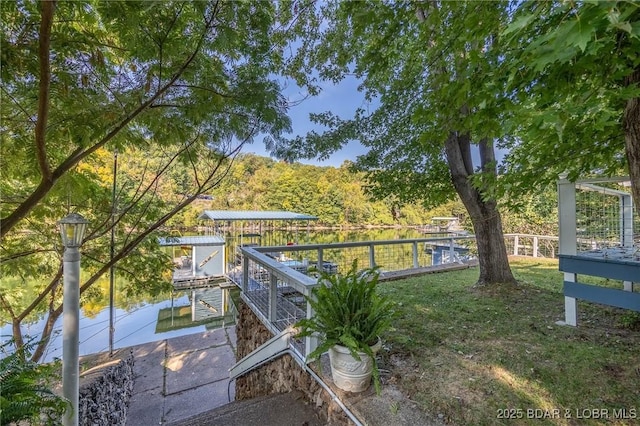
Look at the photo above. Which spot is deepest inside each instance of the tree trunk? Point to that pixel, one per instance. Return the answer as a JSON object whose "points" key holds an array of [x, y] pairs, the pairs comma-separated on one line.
{"points": [[631, 123], [487, 224], [17, 333], [45, 336], [492, 251]]}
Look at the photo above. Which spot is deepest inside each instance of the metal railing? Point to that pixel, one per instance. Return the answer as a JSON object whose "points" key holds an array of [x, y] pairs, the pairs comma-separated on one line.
{"points": [[274, 280], [275, 293], [532, 245]]}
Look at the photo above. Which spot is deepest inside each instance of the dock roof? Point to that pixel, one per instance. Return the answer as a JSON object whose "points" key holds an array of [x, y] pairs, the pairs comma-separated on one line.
{"points": [[248, 215]]}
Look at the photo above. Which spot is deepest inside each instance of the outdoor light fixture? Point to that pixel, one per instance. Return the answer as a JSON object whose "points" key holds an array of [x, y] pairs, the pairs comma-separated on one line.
{"points": [[72, 229]]}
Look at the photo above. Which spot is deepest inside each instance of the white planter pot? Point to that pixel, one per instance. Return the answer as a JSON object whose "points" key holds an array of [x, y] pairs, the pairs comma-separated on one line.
{"points": [[348, 373]]}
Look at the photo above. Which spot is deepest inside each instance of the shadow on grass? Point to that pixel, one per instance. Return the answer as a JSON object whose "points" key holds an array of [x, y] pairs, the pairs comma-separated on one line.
{"points": [[468, 354]]}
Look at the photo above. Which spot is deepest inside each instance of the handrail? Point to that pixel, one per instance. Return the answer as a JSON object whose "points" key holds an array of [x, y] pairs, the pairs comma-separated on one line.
{"points": [[276, 347], [269, 287], [301, 282], [272, 282], [546, 237], [361, 243]]}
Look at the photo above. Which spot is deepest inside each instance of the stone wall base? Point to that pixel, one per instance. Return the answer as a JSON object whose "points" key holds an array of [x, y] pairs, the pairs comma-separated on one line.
{"points": [[281, 375], [104, 400]]}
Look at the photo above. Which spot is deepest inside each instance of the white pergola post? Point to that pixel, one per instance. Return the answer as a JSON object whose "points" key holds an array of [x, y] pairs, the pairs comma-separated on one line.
{"points": [[568, 240], [626, 229]]}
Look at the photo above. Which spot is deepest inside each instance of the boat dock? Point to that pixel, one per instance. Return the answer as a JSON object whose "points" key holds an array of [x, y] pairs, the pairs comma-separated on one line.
{"points": [[181, 283]]}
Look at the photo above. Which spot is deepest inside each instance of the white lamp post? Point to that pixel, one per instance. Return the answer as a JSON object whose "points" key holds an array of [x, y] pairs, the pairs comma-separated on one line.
{"points": [[72, 229]]}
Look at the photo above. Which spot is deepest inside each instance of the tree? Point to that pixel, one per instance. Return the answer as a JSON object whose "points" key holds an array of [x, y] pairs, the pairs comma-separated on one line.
{"points": [[174, 87], [577, 83], [429, 68]]}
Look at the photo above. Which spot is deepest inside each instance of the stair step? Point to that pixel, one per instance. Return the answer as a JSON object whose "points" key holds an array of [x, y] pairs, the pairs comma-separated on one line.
{"points": [[285, 409]]}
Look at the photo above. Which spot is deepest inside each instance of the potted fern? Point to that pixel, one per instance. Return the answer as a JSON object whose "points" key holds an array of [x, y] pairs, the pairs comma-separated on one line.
{"points": [[349, 317]]}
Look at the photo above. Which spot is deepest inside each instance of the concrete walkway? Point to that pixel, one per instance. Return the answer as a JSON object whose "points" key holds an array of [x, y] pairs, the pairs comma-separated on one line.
{"points": [[184, 381], [181, 377]]}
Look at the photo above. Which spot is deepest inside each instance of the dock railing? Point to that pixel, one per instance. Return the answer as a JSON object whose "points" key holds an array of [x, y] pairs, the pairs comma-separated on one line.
{"points": [[532, 245], [275, 280]]}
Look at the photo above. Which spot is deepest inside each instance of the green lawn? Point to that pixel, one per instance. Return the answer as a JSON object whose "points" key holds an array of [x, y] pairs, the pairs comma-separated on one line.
{"points": [[472, 355]]}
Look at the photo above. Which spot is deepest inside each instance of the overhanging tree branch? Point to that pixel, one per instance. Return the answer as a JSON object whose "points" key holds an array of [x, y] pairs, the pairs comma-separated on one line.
{"points": [[44, 46], [46, 183], [48, 289], [14, 256]]}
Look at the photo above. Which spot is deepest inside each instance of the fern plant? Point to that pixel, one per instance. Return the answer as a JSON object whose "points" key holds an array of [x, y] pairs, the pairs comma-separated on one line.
{"points": [[348, 311], [25, 388]]}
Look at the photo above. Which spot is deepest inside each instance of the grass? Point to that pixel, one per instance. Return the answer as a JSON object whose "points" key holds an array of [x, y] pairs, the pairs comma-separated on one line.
{"points": [[471, 355]]}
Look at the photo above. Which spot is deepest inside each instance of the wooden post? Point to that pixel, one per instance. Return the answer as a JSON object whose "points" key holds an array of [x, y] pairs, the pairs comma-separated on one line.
{"points": [[245, 274], [626, 229], [570, 304], [193, 305], [452, 252], [310, 342], [320, 260]]}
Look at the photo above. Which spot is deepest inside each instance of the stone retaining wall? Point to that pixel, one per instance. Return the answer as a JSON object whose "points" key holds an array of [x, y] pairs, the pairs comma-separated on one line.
{"points": [[104, 400], [278, 376]]}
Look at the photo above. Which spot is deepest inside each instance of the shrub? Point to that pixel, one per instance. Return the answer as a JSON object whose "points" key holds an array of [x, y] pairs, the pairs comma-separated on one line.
{"points": [[26, 388]]}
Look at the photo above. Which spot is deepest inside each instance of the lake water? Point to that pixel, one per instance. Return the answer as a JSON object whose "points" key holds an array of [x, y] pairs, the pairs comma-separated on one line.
{"points": [[143, 323], [132, 327]]}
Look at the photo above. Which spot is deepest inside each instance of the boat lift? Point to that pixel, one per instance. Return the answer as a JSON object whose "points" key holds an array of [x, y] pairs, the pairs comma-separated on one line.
{"points": [[201, 261]]}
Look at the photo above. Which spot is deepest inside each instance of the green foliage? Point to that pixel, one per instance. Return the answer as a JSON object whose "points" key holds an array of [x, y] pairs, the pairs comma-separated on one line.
{"points": [[552, 83], [175, 87], [25, 388], [532, 213], [427, 71], [571, 85], [630, 320], [349, 312]]}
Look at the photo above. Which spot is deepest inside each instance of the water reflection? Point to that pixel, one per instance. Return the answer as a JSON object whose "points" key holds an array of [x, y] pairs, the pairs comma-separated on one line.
{"points": [[147, 322], [148, 318]]}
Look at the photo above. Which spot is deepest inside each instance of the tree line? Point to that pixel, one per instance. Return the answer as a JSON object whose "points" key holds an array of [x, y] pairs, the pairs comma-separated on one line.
{"points": [[338, 196]]}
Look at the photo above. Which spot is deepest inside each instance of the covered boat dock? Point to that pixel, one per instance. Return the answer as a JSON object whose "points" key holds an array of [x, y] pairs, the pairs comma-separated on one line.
{"points": [[242, 228]]}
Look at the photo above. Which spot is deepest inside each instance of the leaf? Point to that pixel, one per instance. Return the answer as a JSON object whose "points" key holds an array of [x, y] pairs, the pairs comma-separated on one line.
{"points": [[624, 26], [583, 36], [519, 24]]}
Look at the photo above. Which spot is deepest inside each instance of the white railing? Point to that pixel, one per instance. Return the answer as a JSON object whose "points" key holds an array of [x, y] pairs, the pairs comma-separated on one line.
{"points": [[274, 279], [532, 245]]}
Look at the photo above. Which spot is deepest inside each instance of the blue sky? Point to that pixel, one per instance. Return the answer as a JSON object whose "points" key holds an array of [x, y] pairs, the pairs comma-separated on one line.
{"points": [[342, 99]]}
